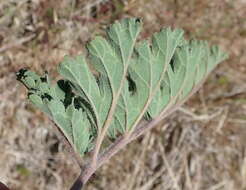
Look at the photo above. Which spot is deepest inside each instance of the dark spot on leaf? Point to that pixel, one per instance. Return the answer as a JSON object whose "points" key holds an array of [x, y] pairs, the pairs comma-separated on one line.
{"points": [[43, 79], [172, 64], [131, 85], [21, 74], [46, 96], [138, 20], [66, 87]]}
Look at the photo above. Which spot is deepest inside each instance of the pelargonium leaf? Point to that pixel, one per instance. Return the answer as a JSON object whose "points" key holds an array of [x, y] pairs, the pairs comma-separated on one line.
{"points": [[111, 58], [81, 134], [60, 117], [120, 81]]}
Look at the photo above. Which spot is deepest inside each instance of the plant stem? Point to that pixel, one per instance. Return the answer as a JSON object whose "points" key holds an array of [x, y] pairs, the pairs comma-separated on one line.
{"points": [[78, 185], [122, 141], [119, 144]]}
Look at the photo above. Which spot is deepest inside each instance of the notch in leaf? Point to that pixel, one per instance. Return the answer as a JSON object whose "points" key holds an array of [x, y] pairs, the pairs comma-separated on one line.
{"points": [[135, 81]]}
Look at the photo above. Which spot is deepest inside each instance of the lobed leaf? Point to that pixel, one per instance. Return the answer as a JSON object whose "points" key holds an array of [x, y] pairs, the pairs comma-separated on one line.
{"points": [[133, 79]]}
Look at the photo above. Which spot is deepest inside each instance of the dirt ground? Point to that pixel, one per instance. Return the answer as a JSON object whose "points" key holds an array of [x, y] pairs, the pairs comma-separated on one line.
{"points": [[199, 147]]}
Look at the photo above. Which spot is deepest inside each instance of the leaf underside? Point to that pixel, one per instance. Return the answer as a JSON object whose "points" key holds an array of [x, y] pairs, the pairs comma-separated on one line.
{"points": [[134, 81]]}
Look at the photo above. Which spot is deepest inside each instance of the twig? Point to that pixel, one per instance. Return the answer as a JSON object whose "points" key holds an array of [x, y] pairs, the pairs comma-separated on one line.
{"points": [[151, 181], [200, 117], [239, 121], [222, 120], [135, 174], [218, 186], [170, 171], [17, 43]]}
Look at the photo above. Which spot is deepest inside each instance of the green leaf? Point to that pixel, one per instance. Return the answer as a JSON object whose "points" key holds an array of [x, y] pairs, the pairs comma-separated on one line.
{"points": [[81, 134], [38, 102], [57, 92], [147, 70], [61, 118], [120, 81], [190, 63], [165, 44], [111, 58]]}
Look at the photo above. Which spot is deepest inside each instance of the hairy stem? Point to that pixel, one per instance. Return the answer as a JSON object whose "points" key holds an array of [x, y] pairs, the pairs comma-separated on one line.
{"points": [[119, 144], [122, 141]]}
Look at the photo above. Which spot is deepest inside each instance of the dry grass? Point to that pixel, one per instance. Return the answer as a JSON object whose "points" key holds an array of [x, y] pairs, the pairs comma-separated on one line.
{"points": [[201, 146]]}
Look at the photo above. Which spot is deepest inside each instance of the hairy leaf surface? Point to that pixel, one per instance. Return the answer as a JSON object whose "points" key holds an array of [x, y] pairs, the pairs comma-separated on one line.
{"points": [[128, 80]]}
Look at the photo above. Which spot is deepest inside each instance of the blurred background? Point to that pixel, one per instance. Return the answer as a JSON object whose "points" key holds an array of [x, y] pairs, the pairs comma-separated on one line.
{"points": [[199, 147]]}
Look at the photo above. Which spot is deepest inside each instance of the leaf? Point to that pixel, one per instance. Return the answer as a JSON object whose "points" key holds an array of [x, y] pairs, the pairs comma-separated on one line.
{"points": [[37, 101], [80, 126], [111, 58], [58, 102], [133, 81], [147, 70], [191, 63], [61, 118]]}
